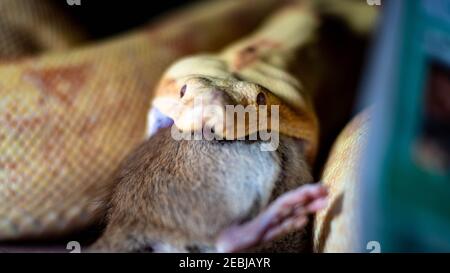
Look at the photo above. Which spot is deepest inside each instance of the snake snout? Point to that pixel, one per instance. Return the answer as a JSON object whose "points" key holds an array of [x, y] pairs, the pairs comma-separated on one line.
{"points": [[203, 107]]}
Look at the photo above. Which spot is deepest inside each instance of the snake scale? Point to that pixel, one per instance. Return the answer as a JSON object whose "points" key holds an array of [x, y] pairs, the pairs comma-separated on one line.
{"points": [[71, 111]]}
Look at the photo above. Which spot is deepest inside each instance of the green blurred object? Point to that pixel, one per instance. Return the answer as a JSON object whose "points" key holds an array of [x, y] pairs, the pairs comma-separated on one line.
{"points": [[406, 176]]}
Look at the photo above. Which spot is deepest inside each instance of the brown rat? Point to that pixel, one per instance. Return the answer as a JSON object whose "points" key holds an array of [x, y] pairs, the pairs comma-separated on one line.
{"points": [[194, 195]]}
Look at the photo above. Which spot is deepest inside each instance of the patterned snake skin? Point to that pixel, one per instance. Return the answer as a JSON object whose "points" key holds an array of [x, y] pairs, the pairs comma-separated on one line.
{"points": [[71, 111], [68, 115]]}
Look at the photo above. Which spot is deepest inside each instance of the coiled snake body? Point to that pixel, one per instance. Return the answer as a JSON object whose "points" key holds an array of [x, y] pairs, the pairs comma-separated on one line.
{"points": [[69, 116]]}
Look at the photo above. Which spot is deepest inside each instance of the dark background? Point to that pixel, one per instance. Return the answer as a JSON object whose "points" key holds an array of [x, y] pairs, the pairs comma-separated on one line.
{"points": [[103, 18]]}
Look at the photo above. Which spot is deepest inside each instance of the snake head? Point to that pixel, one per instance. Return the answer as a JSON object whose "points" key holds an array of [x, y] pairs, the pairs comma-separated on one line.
{"points": [[199, 93], [204, 93]]}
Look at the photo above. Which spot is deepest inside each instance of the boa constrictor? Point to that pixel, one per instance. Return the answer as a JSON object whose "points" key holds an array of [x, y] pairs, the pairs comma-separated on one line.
{"points": [[68, 117], [255, 71]]}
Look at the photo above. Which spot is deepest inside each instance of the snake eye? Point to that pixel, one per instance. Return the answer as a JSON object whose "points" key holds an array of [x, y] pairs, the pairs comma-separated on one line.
{"points": [[250, 49], [261, 99], [182, 91]]}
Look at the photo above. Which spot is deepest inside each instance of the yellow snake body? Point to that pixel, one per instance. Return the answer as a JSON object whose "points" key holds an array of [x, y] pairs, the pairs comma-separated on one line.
{"points": [[337, 227], [69, 117]]}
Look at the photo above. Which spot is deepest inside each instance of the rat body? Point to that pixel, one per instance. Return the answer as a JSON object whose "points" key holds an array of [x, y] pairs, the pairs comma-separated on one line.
{"points": [[179, 196]]}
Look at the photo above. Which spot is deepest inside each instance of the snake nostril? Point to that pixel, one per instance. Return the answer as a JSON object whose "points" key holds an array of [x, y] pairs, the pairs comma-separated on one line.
{"points": [[261, 99], [183, 91]]}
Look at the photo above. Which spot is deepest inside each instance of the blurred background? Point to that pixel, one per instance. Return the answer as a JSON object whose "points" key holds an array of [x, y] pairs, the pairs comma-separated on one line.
{"points": [[406, 172], [116, 16]]}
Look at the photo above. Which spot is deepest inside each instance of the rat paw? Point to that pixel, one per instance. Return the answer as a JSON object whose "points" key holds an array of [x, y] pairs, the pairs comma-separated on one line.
{"points": [[287, 213]]}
